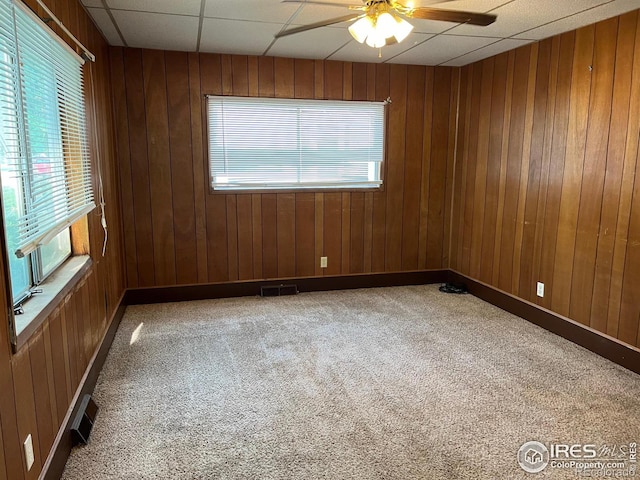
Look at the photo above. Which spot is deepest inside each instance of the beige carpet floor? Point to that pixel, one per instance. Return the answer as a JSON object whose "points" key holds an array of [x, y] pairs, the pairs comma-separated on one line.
{"points": [[389, 383]]}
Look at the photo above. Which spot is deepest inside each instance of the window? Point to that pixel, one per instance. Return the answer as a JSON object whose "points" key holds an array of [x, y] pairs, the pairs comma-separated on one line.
{"points": [[44, 160], [268, 143]]}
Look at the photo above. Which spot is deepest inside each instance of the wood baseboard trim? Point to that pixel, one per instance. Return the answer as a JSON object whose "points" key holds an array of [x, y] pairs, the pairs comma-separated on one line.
{"points": [[59, 453], [597, 342], [181, 293]]}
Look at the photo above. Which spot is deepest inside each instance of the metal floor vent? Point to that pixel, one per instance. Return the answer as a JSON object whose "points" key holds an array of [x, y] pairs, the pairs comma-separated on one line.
{"points": [[83, 423], [278, 290]]}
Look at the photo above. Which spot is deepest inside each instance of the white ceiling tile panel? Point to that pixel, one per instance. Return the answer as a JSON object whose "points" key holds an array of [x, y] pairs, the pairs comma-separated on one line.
{"points": [[103, 21], [157, 30], [248, 26], [230, 36], [358, 52], [468, 5], [181, 7], [311, 44], [521, 15], [93, 3], [256, 10], [602, 12], [318, 13], [441, 49], [488, 51]]}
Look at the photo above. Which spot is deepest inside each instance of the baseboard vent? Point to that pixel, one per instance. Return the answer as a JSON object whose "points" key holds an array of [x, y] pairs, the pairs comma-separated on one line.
{"points": [[278, 290], [83, 423]]}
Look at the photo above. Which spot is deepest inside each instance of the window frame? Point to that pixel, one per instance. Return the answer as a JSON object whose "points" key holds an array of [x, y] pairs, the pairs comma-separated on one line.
{"points": [[63, 274], [207, 158]]}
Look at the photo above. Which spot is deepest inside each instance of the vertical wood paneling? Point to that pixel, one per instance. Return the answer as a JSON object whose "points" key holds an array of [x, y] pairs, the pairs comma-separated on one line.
{"points": [[41, 394], [232, 236], [305, 224], [438, 171], [245, 237], [395, 166], [269, 236], [200, 178], [256, 229], [182, 175], [496, 124], [556, 165], [139, 166], [573, 166], [524, 167], [626, 189], [25, 408], [413, 167], [286, 234], [155, 99], [535, 184], [590, 207], [272, 235], [569, 213], [126, 184]]}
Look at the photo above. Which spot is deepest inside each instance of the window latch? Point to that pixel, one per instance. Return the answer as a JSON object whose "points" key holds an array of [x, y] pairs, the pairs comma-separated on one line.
{"points": [[17, 309]]}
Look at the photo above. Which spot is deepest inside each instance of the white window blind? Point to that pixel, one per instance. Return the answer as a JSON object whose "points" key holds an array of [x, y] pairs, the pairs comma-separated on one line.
{"points": [[268, 143], [44, 131]]}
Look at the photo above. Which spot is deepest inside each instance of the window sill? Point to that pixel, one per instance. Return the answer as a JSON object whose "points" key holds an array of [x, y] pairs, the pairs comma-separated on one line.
{"points": [[54, 289], [217, 191]]}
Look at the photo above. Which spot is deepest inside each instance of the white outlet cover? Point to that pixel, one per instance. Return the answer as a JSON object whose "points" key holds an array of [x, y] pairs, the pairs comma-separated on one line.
{"points": [[540, 290], [323, 262], [28, 452]]}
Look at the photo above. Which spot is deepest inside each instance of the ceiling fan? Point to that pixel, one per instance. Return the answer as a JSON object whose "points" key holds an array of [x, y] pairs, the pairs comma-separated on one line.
{"points": [[382, 22]]}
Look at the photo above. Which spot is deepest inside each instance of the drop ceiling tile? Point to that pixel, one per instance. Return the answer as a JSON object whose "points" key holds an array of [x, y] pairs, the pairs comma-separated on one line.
{"points": [[158, 30], [430, 26], [183, 7], [256, 10], [468, 5], [488, 51], [358, 52], [602, 12], [93, 3], [521, 15], [317, 13], [441, 49], [103, 21], [240, 37], [318, 43]]}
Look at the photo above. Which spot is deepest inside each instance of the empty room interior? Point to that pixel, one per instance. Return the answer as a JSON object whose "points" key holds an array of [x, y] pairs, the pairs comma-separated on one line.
{"points": [[319, 239]]}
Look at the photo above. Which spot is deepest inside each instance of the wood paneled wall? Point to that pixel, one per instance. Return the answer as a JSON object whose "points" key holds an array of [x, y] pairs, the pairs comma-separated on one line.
{"points": [[38, 383], [547, 182], [176, 232]]}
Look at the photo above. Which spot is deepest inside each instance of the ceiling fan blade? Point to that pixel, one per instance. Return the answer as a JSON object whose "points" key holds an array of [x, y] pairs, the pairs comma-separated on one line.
{"points": [[330, 4], [456, 16], [311, 26]]}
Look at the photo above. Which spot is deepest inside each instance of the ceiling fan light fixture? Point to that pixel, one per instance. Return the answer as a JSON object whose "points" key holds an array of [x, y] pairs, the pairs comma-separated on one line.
{"points": [[402, 29], [386, 25], [362, 28], [376, 40]]}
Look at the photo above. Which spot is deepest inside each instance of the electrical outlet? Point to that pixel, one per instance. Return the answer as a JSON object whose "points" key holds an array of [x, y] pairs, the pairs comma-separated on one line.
{"points": [[323, 262], [540, 290], [28, 452]]}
